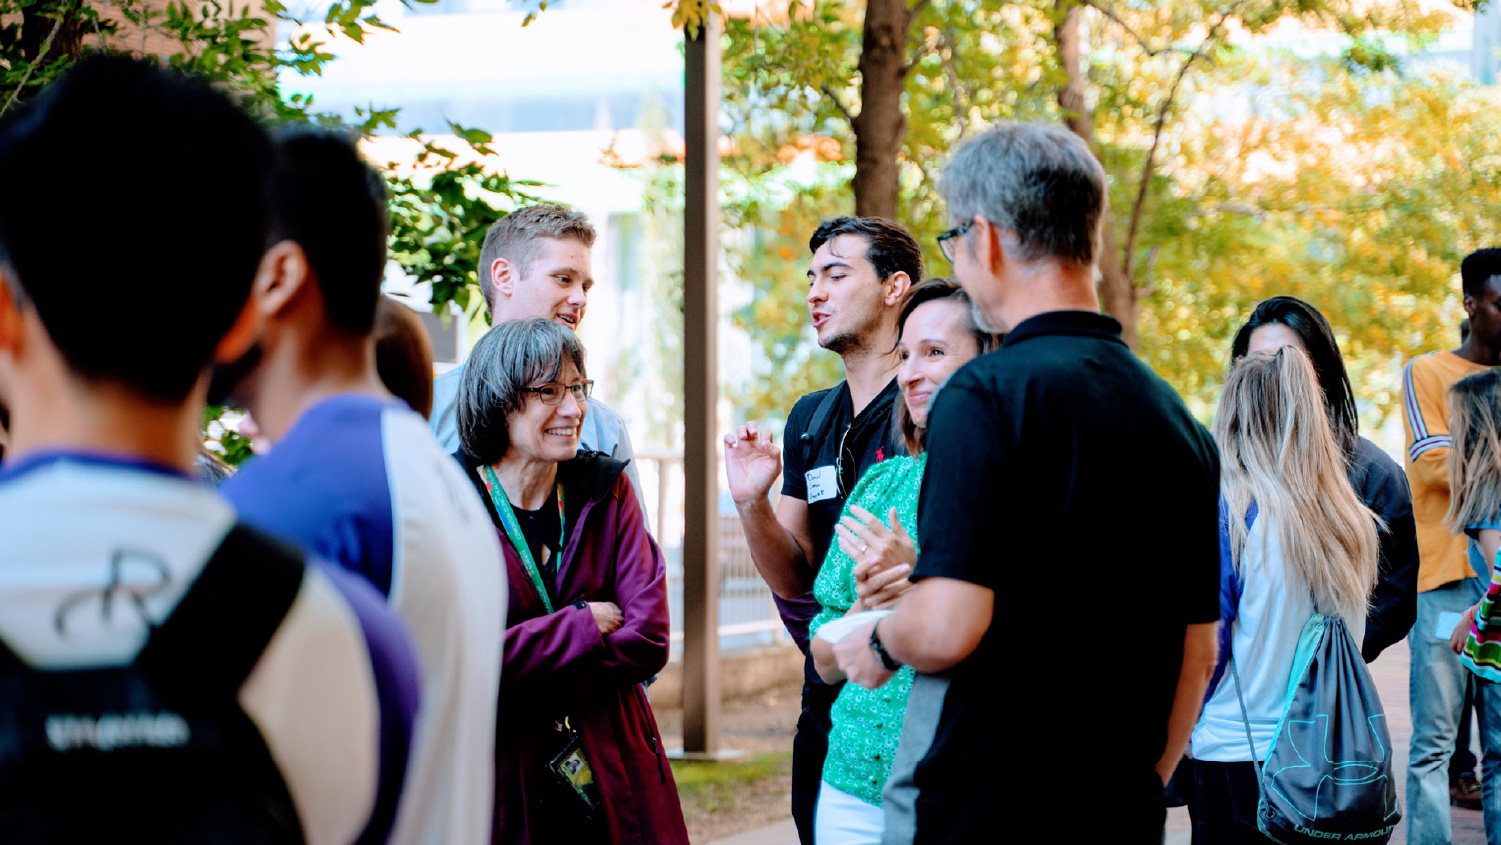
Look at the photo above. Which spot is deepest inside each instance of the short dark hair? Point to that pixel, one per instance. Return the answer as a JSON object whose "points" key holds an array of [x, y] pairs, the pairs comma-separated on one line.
{"points": [[404, 354], [142, 300], [333, 204], [514, 238], [889, 248], [1479, 267], [933, 290], [508, 358], [1317, 337]]}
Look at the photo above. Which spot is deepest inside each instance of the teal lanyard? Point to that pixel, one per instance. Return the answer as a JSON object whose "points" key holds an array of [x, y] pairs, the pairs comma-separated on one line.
{"points": [[518, 540]]}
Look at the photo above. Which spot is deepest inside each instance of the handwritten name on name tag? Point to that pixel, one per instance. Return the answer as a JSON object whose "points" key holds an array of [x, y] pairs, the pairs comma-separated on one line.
{"points": [[822, 484]]}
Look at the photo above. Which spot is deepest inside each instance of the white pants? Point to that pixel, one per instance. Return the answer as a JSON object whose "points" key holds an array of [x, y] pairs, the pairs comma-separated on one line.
{"points": [[843, 819]]}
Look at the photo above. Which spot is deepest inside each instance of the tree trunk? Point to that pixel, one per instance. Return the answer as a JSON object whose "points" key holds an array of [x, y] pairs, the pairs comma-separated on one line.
{"points": [[37, 23], [880, 126], [1117, 288]]}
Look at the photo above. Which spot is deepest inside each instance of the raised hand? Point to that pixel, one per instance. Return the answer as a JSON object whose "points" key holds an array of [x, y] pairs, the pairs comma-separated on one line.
{"points": [[752, 463]]}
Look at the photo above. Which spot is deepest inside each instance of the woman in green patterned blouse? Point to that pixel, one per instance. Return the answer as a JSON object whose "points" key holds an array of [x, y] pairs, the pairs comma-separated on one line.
{"points": [[867, 569]]}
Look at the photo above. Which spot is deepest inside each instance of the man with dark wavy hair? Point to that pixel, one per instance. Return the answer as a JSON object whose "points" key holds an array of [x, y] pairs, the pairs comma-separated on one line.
{"points": [[861, 269]]}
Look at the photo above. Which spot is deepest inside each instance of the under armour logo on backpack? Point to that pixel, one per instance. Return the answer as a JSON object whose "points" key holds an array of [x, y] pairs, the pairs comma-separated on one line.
{"points": [[136, 574]]}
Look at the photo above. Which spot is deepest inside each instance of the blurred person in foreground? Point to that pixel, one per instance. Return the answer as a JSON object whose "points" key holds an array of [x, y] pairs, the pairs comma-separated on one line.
{"points": [[1052, 459], [166, 674], [578, 757], [936, 335], [355, 477]]}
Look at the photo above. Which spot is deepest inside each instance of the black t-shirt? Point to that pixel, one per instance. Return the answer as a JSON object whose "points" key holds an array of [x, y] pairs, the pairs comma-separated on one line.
{"points": [[541, 528], [1070, 479], [824, 478]]}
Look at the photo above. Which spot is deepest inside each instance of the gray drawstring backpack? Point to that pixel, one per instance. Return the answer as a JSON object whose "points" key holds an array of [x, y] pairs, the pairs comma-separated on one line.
{"points": [[1327, 776]]}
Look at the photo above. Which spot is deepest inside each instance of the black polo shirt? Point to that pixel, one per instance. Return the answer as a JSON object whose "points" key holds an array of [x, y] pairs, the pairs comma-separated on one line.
{"points": [[821, 467], [1070, 479]]}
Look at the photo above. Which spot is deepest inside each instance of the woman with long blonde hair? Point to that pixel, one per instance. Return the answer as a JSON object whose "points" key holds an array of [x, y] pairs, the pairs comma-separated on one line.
{"points": [[1475, 509], [1300, 542]]}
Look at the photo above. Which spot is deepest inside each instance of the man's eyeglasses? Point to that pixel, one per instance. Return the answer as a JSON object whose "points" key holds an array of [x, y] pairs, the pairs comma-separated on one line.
{"points": [[552, 392], [946, 240]]}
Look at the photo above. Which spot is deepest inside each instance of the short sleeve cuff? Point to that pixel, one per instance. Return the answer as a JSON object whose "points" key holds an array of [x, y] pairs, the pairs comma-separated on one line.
{"points": [[1202, 615], [1494, 524], [955, 567]]}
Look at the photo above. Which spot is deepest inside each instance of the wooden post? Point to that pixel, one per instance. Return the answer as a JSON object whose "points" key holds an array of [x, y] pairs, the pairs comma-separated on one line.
{"points": [[701, 394]]}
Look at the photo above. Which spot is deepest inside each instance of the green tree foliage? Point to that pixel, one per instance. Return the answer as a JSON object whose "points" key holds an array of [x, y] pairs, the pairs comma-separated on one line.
{"points": [[1339, 193], [789, 91], [442, 200], [1237, 171]]}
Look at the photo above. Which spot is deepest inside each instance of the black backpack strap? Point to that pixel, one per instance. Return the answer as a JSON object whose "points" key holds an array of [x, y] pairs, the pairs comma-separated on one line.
{"points": [[215, 636], [820, 419], [9, 660]]}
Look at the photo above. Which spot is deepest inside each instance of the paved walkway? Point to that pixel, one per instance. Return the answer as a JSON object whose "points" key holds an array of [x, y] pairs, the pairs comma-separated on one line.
{"points": [[1390, 673]]}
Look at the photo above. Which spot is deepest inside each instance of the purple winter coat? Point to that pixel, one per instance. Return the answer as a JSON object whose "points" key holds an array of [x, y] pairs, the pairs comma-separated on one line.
{"points": [[559, 663]]}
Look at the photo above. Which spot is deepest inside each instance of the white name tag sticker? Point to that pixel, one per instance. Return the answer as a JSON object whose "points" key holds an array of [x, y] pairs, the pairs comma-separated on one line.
{"points": [[1445, 627], [823, 483]]}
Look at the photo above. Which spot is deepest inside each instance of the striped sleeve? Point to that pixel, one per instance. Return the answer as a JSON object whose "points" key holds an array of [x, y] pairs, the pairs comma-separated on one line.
{"points": [[1427, 421]]}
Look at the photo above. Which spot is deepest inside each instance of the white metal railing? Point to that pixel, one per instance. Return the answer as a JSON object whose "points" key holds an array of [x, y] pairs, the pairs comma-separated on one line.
{"points": [[747, 616]]}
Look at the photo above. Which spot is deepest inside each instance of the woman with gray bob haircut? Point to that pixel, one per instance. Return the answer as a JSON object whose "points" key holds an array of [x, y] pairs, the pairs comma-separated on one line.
{"points": [[506, 360], [578, 757]]}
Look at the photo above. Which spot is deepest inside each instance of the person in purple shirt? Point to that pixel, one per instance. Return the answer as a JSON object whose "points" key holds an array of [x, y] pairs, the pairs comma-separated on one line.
{"points": [[252, 697], [354, 475], [578, 756]]}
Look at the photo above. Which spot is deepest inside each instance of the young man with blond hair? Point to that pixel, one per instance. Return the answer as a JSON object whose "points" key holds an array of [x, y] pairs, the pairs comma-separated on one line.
{"points": [[535, 263]]}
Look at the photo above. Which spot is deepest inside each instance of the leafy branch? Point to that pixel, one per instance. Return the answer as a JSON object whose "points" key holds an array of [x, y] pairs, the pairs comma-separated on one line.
{"points": [[1158, 125], [40, 56]]}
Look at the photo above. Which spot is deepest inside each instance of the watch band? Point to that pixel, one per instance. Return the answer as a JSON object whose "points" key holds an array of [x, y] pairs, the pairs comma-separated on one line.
{"points": [[875, 645]]}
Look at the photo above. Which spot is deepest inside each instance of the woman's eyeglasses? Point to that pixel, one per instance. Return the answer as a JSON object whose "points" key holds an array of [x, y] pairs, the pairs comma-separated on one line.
{"points": [[552, 392]]}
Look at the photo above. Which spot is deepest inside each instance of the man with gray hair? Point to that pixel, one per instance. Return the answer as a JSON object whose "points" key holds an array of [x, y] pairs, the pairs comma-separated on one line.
{"points": [[1060, 437], [535, 263]]}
